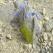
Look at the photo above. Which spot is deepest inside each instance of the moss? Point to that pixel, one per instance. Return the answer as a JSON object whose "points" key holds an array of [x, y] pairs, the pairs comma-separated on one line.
{"points": [[27, 34]]}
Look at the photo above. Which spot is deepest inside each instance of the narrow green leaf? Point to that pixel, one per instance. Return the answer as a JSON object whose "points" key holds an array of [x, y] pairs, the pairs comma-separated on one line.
{"points": [[27, 34]]}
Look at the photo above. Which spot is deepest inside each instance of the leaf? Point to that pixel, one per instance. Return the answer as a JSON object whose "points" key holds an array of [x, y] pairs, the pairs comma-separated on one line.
{"points": [[27, 34]]}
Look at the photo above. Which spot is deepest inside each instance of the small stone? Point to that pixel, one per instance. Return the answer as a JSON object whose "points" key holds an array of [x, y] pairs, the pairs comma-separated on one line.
{"points": [[48, 52], [44, 44], [46, 18], [44, 11], [52, 32], [29, 45], [9, 36], [51, 38], [45, 36], [49, 43]]}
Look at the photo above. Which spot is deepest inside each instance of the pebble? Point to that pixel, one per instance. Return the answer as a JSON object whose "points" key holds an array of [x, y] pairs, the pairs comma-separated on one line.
{"points": [[49, 43], [45, 43], [44, 11], [45, 36], [52, 32], [29, 45], [9, 36], [48, 52], [46, 18]]}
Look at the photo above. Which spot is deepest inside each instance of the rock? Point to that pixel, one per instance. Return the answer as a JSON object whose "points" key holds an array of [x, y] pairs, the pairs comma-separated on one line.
{"points": [[27, 45], [30, 46], [51, 38], [45, 36], [46, 18], [49, 44], [52, 32], [9, 36], [44, 11]]}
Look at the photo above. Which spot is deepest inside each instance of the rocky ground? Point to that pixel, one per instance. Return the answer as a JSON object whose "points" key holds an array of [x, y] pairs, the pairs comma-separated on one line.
{"points": [[11, 40]]}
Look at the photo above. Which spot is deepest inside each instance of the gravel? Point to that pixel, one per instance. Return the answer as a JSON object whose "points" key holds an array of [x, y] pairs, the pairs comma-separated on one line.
{"points": [[11, 40]]}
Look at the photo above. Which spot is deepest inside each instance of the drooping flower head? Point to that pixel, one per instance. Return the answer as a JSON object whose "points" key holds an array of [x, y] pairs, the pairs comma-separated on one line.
{"points": [[22, 4], [35, 14]]}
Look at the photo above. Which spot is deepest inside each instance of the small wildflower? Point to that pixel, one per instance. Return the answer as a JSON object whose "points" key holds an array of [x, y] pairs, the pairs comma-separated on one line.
{"points": [[21, 6], [17, 14]]}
